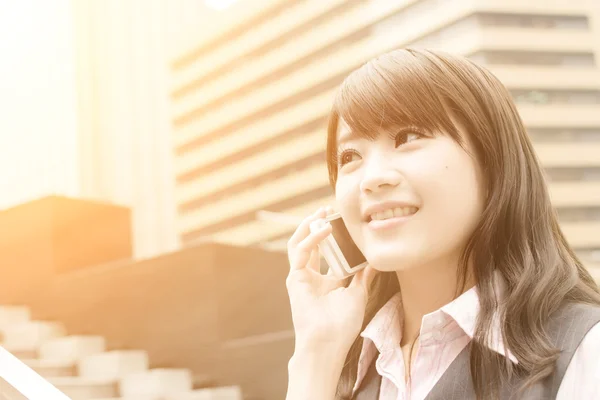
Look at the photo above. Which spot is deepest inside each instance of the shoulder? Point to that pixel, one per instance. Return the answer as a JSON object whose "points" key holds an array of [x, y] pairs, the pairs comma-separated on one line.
{"points": [[575, 329], [581, 379], [571, 317], [576, 325], [591, 340]]}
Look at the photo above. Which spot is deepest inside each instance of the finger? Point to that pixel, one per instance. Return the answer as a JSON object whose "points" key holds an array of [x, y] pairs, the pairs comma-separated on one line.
{"points": [[314, 238], [331, 283], [303, 229], [315, 261], [364, 278], [300, 255]]}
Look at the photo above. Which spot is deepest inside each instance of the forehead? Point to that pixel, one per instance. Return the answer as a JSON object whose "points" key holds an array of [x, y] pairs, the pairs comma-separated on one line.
{"points": [[344, 133], [457, 131]]}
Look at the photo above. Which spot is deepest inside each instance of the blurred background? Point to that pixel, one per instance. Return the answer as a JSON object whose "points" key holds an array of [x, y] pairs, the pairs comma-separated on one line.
{"points": [[155, 156]]}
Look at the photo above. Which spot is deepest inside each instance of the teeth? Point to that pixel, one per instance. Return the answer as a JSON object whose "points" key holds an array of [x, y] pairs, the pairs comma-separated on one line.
{"points": [[400, 212], [393, 212]]}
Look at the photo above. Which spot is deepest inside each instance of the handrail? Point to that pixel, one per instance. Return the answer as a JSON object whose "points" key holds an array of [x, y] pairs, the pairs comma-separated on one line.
{"points": [[25, 380]]}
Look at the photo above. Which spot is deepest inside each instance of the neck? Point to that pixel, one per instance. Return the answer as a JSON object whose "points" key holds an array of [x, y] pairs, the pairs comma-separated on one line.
{"points": [[425, 289]]}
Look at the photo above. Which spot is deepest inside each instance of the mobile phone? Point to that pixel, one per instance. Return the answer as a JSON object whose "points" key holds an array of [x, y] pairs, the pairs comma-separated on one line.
{"points": [[339, 250]]}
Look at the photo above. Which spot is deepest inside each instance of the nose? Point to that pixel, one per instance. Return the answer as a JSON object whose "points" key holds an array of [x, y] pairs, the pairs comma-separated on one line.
{"points": [[379, 177]]}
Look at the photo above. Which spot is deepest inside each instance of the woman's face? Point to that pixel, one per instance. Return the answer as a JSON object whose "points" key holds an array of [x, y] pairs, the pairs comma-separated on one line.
{"points": [[409, 198]]}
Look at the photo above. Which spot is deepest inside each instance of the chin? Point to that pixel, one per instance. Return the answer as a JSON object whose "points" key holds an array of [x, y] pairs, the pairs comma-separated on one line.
{"points": [[396, 256], [392, 264]]}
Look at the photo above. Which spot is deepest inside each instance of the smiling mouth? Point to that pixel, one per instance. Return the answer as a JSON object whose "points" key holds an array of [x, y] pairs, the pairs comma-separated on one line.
{"points": [[392, 213]]}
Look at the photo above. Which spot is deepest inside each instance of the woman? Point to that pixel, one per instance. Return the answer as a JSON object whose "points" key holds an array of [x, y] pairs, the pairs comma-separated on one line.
{"points": [[470, 278]]}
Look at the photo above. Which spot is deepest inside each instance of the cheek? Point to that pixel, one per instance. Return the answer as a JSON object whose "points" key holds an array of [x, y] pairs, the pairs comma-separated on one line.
{"points": [[346, 201], [343, 192], [450, 188], [347, 204]]}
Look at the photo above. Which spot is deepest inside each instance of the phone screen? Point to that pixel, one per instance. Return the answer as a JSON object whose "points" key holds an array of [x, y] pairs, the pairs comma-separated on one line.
{"points": [[341, 235]]}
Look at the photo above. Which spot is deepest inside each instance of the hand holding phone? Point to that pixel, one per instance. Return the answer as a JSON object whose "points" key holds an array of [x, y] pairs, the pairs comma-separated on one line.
{"points": [[327, 311], [339, 250]]}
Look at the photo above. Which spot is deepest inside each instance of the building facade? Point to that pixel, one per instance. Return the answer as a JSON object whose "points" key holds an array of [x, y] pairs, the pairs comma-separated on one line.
{"points": [[251, 98]]}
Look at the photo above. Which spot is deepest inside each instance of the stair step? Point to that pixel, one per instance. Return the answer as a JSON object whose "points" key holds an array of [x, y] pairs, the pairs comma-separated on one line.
{"points": [[20, 352], [156, 382], [30, 335], [71, 348], [216, 393], [78, 388], [130, 398], [14, 315], [50, 368], [113, 365]]}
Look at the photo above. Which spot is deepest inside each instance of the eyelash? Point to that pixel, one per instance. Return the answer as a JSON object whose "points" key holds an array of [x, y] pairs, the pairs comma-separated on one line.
{"points": [[405, 131]]}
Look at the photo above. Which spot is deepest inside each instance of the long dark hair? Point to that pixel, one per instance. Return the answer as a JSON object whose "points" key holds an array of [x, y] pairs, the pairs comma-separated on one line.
{"points": [[518, 233]]}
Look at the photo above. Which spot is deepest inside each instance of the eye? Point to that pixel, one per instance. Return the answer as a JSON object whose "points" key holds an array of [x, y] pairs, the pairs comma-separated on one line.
{"points": [[346, 156], [409, 134]]}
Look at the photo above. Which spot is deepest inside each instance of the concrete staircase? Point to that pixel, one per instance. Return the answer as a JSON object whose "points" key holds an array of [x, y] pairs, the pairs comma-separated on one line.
{"points": [[83, 368]]}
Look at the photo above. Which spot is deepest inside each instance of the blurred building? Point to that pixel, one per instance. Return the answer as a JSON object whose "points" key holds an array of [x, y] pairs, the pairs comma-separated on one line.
{"points": [[250, 102], [85, 107]]}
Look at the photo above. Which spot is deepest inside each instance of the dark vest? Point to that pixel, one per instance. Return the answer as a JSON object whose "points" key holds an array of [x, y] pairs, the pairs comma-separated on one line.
{"points": [[566, 328]]}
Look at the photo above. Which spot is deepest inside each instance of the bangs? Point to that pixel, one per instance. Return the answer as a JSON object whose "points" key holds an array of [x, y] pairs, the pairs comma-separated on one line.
{"points": [[389, 93], [403, 88]]}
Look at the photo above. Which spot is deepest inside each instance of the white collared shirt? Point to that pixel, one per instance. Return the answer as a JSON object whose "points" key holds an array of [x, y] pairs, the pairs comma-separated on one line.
{"points": [[444, 334]]}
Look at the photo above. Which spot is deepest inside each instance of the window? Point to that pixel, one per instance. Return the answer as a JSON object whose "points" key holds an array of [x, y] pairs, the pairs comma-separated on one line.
{"points": [[439, 38], [534, 21], [556, 96], [541, 135], [562, 174], [579, 214], [477, 21], [403, 22], [592, 254], [500, 57]]}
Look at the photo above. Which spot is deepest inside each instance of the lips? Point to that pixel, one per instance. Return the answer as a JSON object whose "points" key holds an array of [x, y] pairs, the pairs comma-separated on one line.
{"points": [[393, 213], [390, 224], [388, 209]]}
